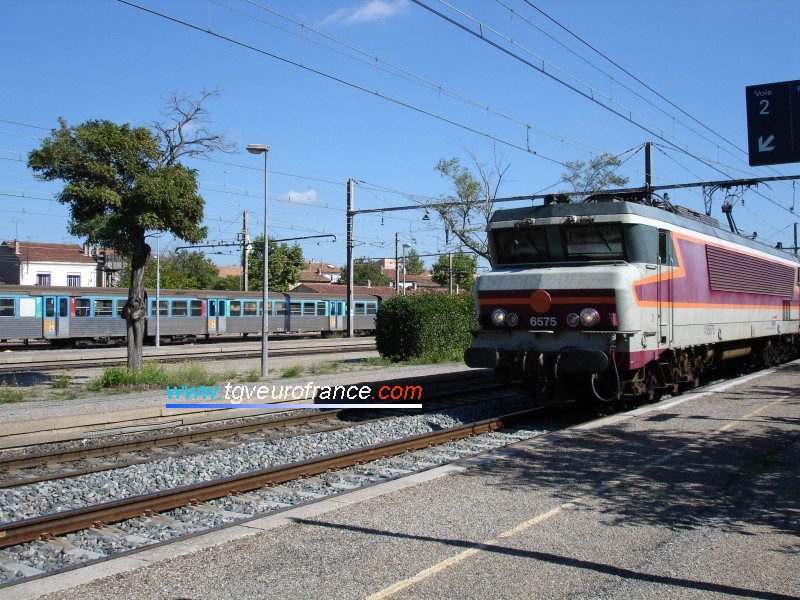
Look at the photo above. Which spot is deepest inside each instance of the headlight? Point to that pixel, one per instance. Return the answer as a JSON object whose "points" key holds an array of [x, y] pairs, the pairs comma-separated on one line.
{"points": [[573, 319], [499, 317], [589, 317], [512, 319]]}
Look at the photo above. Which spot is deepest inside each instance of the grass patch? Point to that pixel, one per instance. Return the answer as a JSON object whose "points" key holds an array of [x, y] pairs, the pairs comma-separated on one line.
{"points": [[331, 366], [291, 372], [11, 395], [60, 382], [152, 376], [249, 377]]}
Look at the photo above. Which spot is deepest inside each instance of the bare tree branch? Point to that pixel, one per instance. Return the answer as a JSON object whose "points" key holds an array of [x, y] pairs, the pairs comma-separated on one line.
{"points": [[184, 133]]}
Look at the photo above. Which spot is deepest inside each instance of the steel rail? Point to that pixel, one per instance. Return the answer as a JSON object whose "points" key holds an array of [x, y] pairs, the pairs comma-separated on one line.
{"points": [[61, 363], [46, 526], [40, 459]]}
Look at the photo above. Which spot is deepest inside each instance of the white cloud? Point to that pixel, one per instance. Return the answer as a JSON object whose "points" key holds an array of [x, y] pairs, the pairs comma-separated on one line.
{"points": [[304, 197], [367, 12]]}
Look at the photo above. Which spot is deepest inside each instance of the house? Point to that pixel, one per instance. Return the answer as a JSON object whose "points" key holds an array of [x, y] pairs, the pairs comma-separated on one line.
{"points": [[45, 264], [327, 270], [228, 271]]}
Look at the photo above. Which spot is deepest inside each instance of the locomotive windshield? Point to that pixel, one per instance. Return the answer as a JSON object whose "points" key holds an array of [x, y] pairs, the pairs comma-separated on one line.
{"points": [[594, 242], [516, 246], [578, 242]]}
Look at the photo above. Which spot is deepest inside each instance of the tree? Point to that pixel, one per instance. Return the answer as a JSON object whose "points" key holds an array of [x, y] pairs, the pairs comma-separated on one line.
{"points": [[121, 182], [285, 264], [232, 283], [182, 270], [366, 272], [464, 269], [198, 267], [414, 264], [467, 214], [595, 176]]}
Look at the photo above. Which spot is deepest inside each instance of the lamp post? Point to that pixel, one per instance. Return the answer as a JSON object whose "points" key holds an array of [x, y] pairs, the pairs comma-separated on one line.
{"points": [[404, 267], [264, 149]]}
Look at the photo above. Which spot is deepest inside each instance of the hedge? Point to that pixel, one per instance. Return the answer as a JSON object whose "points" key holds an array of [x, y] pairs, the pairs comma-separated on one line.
{"points": [[411, 326]]}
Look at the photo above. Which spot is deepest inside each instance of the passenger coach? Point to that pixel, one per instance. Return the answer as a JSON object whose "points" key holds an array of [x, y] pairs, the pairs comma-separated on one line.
{"points": [[71, 315]]}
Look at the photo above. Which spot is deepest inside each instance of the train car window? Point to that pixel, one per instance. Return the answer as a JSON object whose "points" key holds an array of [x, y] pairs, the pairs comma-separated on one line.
{"points": [[83, 307], [280, 308], [235, 308], [103, 308], [517, 246], [63, 307], [49, 307], [27, 307], [359, 309], [296, 308], [212, 308], [120, 306], [270, 308], [602, 241], [308, 308], [320, 309], [163, 308], [250, 309], [196, 308], [7, 307], [180, 308], [222, 308], [372, 308]]}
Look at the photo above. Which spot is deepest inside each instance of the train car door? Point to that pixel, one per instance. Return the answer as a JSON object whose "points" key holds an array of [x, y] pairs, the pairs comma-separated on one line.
{"points": [[336, 315], [216, 316], [56, 317], [666, 266]]}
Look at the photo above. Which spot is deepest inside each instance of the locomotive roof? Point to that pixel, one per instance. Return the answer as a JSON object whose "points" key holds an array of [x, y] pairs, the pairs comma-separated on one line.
{"points": [[631, 208]]}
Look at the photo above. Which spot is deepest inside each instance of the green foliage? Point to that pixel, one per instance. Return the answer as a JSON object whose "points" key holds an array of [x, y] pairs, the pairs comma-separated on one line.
{"points": [[118, 185], [231, 283], [595, 176], [464, 269], [292, 372], [467, 213], [424, 325], [285, 264], [414, 264], [183, 271], [11, 395], [151, 375], [365, 272]]}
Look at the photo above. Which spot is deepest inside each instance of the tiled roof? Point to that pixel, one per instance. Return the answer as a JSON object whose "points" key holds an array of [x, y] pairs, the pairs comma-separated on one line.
{"points": [[309, 277], [337, 288], [45, 252], [231, 270], [316, 267]]}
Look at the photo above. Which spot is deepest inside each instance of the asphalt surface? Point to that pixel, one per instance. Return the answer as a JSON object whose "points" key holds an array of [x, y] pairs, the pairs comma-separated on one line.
{"points": [[695, 497]]}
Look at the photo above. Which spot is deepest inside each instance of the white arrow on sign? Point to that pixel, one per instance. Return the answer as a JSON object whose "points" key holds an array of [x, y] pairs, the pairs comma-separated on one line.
{"points": [[764, 145]]}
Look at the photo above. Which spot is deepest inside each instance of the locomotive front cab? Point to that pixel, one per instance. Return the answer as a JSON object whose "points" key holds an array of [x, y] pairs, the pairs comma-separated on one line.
{"points": [[557, 310]]}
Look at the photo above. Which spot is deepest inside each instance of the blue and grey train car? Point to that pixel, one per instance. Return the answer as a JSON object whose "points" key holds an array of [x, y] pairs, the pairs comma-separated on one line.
{"points": [[69, 315]]}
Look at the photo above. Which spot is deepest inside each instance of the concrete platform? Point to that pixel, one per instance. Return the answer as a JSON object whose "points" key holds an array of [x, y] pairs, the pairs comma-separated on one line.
{"points": [[694, 497]]}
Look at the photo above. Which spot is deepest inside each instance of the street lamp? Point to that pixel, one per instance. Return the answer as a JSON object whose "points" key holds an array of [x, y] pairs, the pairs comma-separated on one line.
{"points": [[264, 149], [404, 267]]}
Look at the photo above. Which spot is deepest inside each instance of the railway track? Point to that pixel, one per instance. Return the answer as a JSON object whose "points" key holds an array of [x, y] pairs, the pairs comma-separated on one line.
{"points": [[46, 526], [122, 451], [142, 520], [60, 359]]}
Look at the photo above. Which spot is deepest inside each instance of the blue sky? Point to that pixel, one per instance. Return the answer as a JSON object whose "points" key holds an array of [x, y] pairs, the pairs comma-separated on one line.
{"points": [[380, 90]]}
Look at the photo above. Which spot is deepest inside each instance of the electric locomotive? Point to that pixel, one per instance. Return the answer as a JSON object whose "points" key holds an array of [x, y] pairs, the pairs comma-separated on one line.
{"points": [[612, 298]]}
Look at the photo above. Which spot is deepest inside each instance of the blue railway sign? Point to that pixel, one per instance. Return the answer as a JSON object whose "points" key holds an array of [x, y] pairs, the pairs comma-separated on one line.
{"points": [[773, 123]]}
